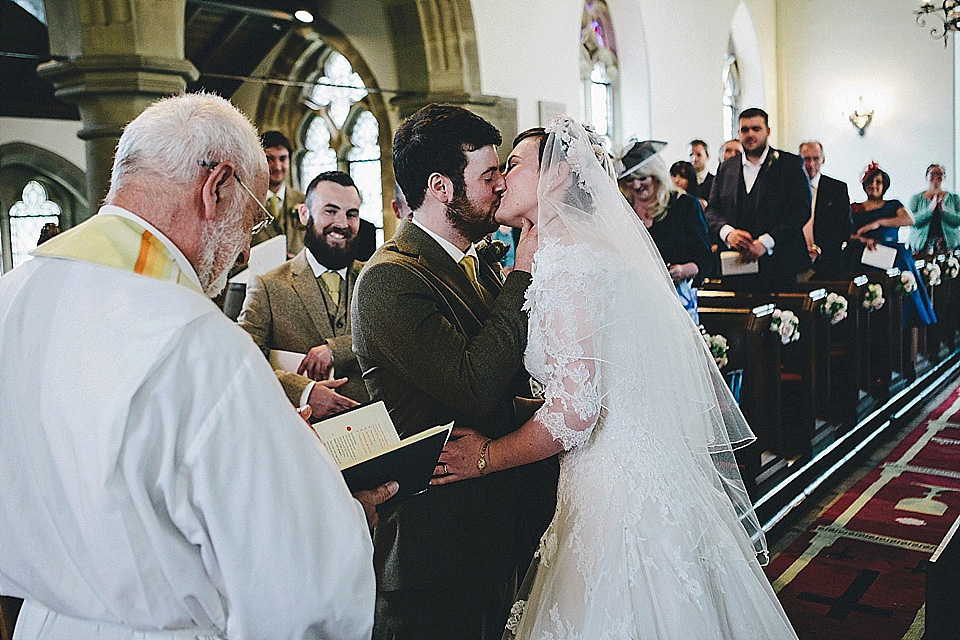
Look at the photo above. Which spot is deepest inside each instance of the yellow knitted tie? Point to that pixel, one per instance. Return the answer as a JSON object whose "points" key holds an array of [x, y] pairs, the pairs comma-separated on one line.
{"points": [[273, 203], [469, 265], [331, 280]]}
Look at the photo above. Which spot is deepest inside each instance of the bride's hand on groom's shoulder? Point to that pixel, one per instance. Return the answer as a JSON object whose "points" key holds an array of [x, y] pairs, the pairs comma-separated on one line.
{"points": [[526, 247], [458, 460]]}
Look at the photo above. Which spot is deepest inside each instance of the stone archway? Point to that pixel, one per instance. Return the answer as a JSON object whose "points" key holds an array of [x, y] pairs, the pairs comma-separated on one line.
{"points": [[433, 45]]}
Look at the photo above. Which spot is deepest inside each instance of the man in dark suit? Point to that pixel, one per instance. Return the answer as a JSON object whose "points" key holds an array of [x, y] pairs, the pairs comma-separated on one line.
{"points": [[282, 199], [440, 337], [830, 224], [304, 304], [758, 206], [699, 157]]}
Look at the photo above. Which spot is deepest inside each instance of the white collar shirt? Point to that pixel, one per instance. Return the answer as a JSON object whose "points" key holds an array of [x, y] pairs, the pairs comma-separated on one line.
{"points": [[752, 170], [279, 193], [319, 269], [448, 246]]}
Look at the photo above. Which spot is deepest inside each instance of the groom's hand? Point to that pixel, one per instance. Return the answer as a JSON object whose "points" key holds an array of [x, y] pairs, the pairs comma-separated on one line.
{"points": [[526, 247]]}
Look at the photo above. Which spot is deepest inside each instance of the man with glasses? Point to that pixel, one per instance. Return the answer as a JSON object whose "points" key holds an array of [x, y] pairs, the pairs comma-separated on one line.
{"points": [[830, 224], [156, 481]]}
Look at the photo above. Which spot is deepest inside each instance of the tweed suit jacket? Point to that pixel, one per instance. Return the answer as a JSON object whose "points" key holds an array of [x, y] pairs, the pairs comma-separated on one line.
{"points": [[286, 308], [434, 350], [288, 223]]}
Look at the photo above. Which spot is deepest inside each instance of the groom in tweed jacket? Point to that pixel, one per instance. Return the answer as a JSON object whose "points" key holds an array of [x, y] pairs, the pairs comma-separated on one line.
{"points": [[440, 337]]}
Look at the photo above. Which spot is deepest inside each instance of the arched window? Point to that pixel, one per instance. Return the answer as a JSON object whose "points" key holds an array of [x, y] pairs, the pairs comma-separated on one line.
{"points": [[599, 70], [342, 133], [20, 228], [732, 90]]}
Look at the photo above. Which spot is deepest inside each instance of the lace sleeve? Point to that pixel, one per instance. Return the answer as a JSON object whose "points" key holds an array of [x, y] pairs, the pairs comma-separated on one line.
{"points": [[564, 302]]}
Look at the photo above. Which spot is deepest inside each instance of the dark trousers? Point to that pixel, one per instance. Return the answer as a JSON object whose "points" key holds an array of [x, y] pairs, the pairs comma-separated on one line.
{"points": [[474, 612]]}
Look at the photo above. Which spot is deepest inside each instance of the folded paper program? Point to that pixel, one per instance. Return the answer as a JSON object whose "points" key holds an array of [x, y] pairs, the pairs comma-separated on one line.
{"points": [[733, 264]]}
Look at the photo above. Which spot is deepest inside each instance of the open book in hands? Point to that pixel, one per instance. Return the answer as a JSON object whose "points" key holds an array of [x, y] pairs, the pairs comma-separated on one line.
{"points": [[365, 445]]}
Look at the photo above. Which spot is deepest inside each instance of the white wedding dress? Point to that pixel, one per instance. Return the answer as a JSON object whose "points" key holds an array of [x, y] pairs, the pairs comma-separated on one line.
{"points": [[646, 542]]}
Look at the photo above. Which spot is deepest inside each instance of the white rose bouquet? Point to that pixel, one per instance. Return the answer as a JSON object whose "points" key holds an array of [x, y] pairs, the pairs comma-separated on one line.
{"points": [[873, 298], [785, 324], [931, 273], [717, 346], [834, 307], [952, 267], [907, 283]]}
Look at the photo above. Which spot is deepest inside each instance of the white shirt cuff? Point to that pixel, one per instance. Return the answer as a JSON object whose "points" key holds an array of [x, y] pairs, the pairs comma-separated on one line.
{"points": [[305, 396], [724, 232], [767, 241]]}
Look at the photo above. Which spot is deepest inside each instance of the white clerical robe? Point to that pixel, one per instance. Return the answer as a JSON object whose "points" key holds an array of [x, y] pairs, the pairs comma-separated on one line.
{"points": [[154, 477]]}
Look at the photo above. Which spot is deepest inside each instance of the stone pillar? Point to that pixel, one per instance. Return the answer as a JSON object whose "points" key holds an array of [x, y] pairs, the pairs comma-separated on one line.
{"points": [[436, 42], [112, 59]]}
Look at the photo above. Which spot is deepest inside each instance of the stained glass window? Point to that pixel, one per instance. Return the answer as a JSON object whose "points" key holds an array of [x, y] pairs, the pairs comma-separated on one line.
{"points": [[731, 97], [342, 133], [320, 156], [600, 70], [601, 99], [338, 88], [364, 158], [27, 217]]}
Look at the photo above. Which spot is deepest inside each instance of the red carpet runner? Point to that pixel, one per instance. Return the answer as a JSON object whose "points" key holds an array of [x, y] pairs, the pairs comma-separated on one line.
{"points": [[858, 572]]}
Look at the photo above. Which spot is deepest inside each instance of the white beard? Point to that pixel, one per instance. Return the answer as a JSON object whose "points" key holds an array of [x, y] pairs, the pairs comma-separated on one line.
{"points": [[223, 240]]}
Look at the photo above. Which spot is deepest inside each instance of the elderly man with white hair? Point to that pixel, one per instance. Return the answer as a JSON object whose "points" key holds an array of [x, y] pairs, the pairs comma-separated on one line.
{"points": [[156, 483]]}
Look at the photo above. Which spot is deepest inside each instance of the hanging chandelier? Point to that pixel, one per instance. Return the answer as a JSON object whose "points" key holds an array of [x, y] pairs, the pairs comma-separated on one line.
{"points": [[947, 12]]}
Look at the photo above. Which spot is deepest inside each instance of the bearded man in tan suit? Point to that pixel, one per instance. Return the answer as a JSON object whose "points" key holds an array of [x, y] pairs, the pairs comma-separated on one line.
{"points": [[304, 304]]}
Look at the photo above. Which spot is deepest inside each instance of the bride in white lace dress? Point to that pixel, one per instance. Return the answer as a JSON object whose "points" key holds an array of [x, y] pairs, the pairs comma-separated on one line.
{"points": [[654, 536]]}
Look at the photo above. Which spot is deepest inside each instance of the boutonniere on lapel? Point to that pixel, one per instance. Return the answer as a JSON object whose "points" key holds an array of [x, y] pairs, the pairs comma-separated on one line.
{"points": [[773, 157], [492, 251]]}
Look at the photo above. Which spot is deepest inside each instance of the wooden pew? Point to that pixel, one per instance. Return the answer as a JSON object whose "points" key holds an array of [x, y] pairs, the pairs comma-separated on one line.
{"points": [[802, 374], [805, 376], [753, 350], [885, 337], [847, 354]]}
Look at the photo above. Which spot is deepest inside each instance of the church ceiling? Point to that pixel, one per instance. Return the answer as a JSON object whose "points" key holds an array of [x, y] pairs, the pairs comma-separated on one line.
{"points": [[225, 40]]}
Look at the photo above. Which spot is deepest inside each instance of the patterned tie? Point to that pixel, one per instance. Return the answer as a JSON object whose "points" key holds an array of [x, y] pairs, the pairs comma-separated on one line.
{"points": [[331, 280], [273, 203]]}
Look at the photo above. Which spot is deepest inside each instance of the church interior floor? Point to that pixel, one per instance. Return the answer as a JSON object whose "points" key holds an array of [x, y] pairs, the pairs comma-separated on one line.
{"points": [[852, 565]]}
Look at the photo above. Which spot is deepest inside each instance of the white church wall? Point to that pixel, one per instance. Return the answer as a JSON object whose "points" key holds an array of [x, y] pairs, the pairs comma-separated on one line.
{"points": [[530, 51], [58, 136], [671, 59], [831, 53]]}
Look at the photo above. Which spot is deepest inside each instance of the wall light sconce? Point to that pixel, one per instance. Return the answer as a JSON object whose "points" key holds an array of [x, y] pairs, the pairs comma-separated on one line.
{"points": [[860, 118]]}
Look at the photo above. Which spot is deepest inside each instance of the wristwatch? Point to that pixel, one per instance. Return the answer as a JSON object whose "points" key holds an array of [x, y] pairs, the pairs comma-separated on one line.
{"points": [[482, 461]]}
